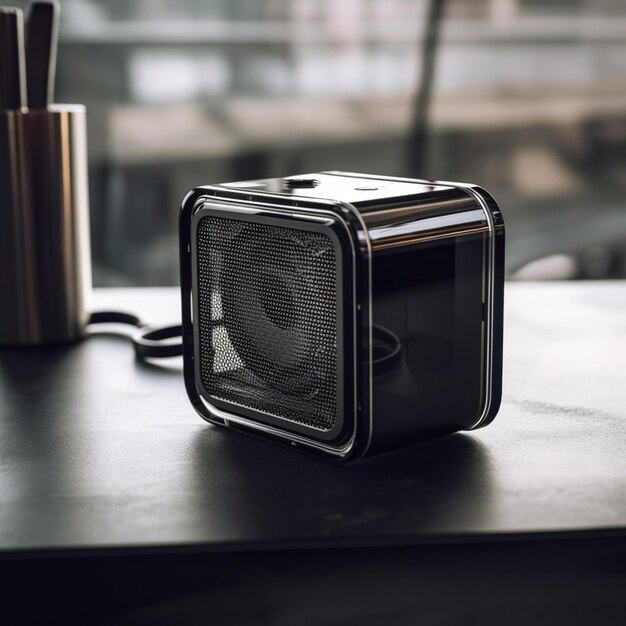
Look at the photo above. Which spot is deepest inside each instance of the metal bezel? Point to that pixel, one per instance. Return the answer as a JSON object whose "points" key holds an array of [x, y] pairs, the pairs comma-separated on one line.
{"points": [[357, 418], [322, 225]]}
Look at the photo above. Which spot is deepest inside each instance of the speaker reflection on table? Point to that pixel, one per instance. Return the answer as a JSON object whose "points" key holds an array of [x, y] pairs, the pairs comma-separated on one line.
{"points": [[343, 314]]}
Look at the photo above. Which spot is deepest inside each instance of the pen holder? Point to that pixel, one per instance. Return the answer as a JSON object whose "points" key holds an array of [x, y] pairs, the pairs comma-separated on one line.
{"points": [[45, 260]]}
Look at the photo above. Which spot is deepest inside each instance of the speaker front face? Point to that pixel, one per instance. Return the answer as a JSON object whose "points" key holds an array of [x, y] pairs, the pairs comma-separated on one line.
{"points": [[273, 324]]}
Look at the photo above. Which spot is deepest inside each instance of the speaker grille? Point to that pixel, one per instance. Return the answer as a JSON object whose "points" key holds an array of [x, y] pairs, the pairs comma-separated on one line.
{"points": [[268, 319]]}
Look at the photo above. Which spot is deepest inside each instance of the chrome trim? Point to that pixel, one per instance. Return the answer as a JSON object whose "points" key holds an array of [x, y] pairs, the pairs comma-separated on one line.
{"points": [[471, 190], [293, 438], [426, 229], [348, 207]]}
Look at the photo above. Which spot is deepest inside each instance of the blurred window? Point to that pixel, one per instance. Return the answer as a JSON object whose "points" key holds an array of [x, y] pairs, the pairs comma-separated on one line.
{"points": [[528, 99]]}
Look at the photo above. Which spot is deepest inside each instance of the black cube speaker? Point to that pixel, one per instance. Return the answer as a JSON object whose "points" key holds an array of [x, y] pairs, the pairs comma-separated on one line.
{"points": [[343, 314]]}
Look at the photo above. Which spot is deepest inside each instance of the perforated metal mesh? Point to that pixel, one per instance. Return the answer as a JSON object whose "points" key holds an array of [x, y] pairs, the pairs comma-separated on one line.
{"points": [[268, 319]]}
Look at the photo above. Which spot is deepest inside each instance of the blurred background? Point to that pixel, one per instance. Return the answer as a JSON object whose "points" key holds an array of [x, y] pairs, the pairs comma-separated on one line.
{"points": [[525, 97]]}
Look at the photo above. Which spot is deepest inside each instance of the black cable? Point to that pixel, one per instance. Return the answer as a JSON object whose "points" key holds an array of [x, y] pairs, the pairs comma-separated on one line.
{"points": [[114, 317], [148, 342]]}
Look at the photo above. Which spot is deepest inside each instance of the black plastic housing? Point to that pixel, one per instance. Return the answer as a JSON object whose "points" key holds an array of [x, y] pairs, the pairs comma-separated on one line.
{"points": [[420, 280]]}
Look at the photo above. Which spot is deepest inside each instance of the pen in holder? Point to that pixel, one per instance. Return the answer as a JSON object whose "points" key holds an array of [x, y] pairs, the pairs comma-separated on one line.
{"points": [[45, 261]]}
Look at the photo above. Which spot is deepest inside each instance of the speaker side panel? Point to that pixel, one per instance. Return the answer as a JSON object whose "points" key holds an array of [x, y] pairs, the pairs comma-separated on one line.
{"points": [[431, 281]]}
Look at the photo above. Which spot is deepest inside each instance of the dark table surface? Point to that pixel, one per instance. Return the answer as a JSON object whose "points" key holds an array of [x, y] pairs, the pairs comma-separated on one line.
{"points": [[99, 450]]}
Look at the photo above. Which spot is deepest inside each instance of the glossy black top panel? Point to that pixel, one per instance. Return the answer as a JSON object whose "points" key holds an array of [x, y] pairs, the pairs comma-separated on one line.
{"points": [[363, 191], [395, 211]]}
